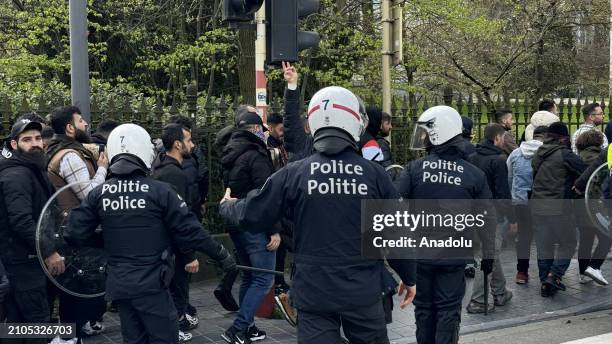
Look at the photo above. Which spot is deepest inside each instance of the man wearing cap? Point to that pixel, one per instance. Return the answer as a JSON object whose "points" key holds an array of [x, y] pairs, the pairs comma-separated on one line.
{"points": [[24, 190], [246, 166]]}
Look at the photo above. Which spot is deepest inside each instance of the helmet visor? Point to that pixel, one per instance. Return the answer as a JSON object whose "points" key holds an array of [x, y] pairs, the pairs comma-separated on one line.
{"points": [[420, 136]]}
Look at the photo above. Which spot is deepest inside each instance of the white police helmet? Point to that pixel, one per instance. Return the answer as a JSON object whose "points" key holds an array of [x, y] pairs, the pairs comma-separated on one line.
{"points": [[131, 139], [436, 126], [336, 107]]}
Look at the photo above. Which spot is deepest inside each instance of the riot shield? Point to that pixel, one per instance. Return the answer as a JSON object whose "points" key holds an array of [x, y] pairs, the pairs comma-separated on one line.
{"points": [[394, 171], [597, 207], [85, 273]]}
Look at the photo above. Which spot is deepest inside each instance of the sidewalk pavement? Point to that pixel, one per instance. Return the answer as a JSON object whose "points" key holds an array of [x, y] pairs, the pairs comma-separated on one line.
{"points": [[525, 307]]}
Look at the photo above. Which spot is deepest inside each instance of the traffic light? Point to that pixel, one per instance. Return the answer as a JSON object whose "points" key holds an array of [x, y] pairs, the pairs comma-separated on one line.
{"points": [[283, 38], [240, 10]]}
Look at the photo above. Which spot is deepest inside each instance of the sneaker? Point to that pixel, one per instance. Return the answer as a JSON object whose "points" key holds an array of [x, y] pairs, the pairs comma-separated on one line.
{"points": [[191, 310], [596, 275], [478, 308], [501, 300], [184, 337], [254, 334], [235, 336], [284, 304], [281, 288], [470, 271], [521, 278], [193, 320], [554, 282], [186, 325], [226, 300], [93, 328]]}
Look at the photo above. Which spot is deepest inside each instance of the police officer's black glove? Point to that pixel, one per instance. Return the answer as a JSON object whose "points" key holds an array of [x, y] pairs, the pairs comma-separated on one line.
{"points": [[226, 260], [486, 265]]}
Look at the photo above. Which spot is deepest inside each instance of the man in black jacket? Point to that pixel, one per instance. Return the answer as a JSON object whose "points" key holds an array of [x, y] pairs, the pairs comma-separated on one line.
{"points": [[141, 219], [490, 158], [246, 166], [168, 168], [333, 285], [24, 190], [555, 169], [103, 129]]}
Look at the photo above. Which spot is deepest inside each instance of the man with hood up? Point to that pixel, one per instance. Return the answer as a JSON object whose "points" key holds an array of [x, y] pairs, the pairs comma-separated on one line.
{"points": [[520, 180], [370, 149]]}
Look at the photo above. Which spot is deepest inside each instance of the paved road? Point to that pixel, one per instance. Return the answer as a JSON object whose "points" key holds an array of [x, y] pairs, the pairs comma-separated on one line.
{"points": [[593, 328]]}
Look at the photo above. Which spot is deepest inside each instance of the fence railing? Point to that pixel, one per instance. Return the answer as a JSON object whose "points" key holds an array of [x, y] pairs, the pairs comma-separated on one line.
{"points": [[212, 115]]}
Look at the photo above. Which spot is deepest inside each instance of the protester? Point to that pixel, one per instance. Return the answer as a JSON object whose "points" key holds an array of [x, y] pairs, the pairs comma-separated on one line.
{"points": [[490, 158], [24, 190], [466, 134], [593, 117], [168, 168], [555, 169], [504, 118], [103, 129], [370, 149], [520, 180], [71, 163], [383, 142], [328, 243], [589, 262], [32, 116], [246, 166], [139, 271], [274, 141], [545, 116]]}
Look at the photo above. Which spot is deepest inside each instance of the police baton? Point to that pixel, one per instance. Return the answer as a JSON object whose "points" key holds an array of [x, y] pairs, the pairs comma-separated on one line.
{"points": [[250, 268], [486, 293]]}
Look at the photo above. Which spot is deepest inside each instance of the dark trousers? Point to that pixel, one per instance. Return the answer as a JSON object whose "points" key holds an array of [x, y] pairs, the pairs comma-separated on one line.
{"points": [[365, 325], [586, 256], [74, 309], [148, 319], [551, 230], [179, 287], [525, 237], [29, 306], [281, 254], [228, 279], [437, 305]]}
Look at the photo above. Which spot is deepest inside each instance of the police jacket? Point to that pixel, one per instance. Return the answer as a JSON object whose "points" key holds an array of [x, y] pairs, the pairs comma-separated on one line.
{"points": [[492, 161], [297, 142], [140, 219], [4, 283], [555, 169], [446, 174], [24, 190], [324, 194]]}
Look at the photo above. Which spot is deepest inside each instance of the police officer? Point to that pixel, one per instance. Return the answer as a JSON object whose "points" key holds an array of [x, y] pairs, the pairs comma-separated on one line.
{"points": [[141, 219], [444, 174], [333, 285]]}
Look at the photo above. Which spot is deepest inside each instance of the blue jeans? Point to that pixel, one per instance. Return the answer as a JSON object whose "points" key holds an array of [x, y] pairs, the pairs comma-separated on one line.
{"points": [[251, 251], [551, 230]]}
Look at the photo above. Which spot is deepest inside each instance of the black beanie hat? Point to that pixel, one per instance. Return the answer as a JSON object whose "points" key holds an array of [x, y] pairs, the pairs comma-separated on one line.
{"points": [[558, 129]]}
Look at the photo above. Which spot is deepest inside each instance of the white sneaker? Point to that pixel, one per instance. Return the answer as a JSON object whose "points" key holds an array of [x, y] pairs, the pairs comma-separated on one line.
{"points": [[596, 275], [585, 279], [69, 341], [93, 328], [184, 336], [194, 321]]}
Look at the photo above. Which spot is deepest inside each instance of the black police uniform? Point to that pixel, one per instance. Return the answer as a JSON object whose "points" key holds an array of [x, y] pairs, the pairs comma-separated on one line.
{"points": [[441, 283], [333, 285], [141, 219]]}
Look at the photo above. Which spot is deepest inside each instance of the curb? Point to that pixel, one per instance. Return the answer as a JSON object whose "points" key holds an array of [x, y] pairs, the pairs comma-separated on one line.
{"points": [[505, 323]]}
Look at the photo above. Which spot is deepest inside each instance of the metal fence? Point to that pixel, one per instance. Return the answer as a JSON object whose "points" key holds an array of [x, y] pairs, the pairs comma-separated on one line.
{"points": [[212, 115]]}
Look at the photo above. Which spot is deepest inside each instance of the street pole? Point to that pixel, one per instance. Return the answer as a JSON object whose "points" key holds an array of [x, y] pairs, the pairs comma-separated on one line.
{"points": [[387, 54], [79, 60], [261, 91]]}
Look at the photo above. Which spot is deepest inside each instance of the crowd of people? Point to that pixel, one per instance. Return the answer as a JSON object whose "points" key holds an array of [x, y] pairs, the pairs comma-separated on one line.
{"points": [[270, 209]]}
